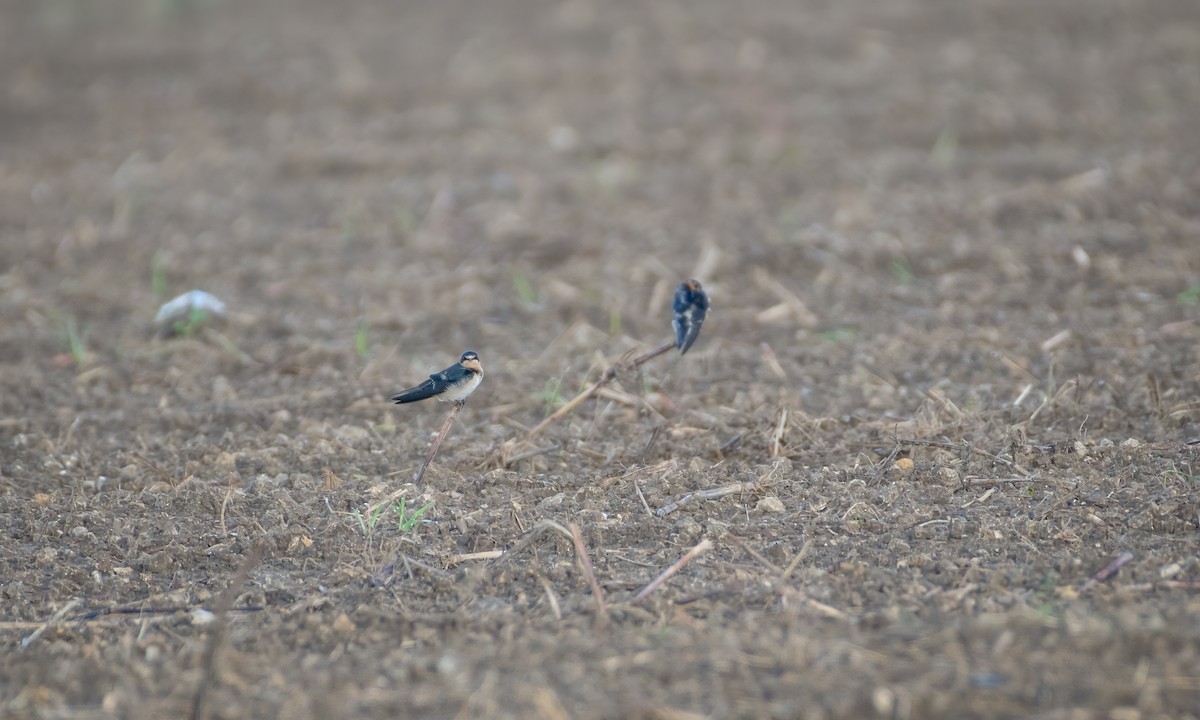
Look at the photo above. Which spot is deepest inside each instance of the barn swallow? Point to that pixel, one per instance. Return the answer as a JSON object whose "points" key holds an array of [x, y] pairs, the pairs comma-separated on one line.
{"points": [[691, 305], [453, 384]]}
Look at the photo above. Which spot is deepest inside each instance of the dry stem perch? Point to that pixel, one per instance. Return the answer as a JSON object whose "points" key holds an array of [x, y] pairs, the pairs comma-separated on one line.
{"points": [[689, 308], [452, 385]]}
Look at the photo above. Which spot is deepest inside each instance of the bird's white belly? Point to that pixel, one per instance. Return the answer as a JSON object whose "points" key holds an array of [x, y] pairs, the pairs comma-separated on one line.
{"points": [[460, 392]]}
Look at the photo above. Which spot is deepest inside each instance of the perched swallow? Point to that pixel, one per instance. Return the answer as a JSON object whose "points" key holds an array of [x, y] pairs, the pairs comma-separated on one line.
{"points": [[691, 305], [453, 384]]}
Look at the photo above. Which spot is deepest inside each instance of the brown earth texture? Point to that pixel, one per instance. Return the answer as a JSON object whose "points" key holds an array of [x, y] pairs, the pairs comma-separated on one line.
{"points": [[936, 453]]}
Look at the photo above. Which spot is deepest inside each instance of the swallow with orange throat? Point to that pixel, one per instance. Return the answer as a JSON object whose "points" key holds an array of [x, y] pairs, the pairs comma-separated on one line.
{"points": [[691, 305], [451, 385]]}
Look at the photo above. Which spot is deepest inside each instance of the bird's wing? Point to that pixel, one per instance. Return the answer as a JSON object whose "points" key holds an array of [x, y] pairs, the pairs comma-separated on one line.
{"points": [[687, 326], [427, 389], [451, 375], [679, 322]]}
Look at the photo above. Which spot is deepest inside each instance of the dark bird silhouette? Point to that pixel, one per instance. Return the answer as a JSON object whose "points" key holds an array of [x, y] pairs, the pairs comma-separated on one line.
{"points": [[691, 305], [453, 384]]}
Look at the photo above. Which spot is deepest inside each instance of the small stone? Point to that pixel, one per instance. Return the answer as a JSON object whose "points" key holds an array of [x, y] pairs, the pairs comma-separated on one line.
{"points": [[689, 530], [770, 504], [904, 464], [344, 625], [884, 700], [352, 435], [223, 390], [553, 502], [157, 563], [1166, 572], [299, 543], [563, 138], [201, 617], [226, 462], [1131, 444]]}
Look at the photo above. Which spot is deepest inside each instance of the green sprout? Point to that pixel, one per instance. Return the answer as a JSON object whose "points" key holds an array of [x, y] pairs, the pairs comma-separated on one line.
{"points": [[158, 274], [405, 522], [524, 287], [74, 337], [551, 394], [614, 321], [840, 334], [944, 148], [367, 523], [362, 344], [1191, 296], [902, 271], [189, 325]]}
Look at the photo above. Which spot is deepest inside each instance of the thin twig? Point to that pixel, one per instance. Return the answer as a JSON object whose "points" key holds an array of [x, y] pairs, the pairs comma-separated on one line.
{"points": [[528, 454], [729, 445], [752, 552], [650, 443], [609, 375], [586, 562], [554, 607], [657, 582], [674, 505], [1032, 477], [481, 555], [537, 531], [437, 443], [56, 617], [143, 612], [710, 494], [787, 572], [216, 639], [775, 449], [970, 448], [642, 498], [1107, 571], [383, 576]]}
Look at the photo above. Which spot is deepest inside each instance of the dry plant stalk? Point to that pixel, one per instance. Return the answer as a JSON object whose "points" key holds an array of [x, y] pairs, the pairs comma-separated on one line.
{"points": [[1108, 570], [965, 445], [537, 531], [433, 450], [586, 562], [776, 447], [609, 375], [701, 547], [224, 604], [437, 442], [54, 619], [710, 494]]}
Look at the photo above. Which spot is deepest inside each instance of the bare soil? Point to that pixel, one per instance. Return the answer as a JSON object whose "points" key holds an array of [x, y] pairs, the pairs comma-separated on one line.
{"points": [[952, 372]]}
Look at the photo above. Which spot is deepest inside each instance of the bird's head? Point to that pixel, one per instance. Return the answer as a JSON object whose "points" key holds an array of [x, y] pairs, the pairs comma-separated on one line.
{"points": [[470, 361]]}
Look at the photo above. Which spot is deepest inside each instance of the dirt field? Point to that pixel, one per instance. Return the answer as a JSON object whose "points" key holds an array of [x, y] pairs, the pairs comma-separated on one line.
{"points": [[952, 371]]}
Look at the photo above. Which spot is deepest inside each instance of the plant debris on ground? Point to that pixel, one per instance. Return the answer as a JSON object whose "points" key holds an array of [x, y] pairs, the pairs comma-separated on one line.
{"points": [[935, 453]]}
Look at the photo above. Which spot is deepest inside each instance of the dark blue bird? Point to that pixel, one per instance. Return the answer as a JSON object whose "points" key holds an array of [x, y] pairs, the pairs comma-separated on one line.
{"points": [[453, 384], [691, 305]]}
